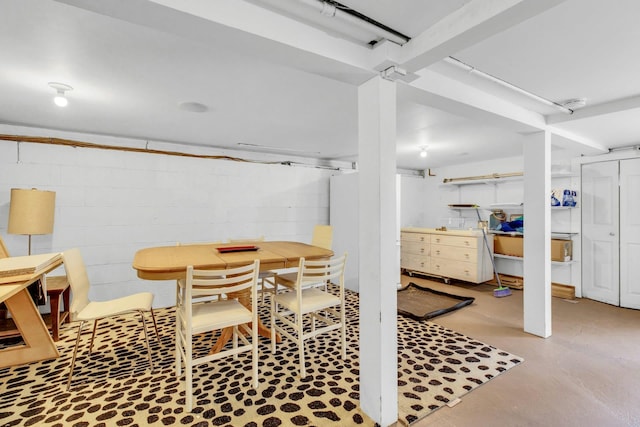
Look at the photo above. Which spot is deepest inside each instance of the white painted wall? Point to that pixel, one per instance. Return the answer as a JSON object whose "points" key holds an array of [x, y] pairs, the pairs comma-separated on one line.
{"points": [[425, 200], [112, 203]]}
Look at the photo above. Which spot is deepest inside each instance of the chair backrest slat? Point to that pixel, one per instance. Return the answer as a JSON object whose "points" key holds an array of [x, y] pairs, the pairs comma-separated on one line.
{"points": [[321, 271], [217, 282], [322, 236]]}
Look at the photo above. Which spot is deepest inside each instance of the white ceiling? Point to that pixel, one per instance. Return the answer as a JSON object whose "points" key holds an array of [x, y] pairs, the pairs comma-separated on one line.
{"points": [[289, 88]]}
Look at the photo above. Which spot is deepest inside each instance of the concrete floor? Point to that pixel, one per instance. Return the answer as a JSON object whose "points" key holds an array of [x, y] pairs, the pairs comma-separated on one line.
{"points": [[586, 374]]}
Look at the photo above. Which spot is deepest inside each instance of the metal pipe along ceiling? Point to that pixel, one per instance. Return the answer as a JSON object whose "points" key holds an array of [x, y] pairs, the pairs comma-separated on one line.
{"points": [[470, 69], [329, 10]]}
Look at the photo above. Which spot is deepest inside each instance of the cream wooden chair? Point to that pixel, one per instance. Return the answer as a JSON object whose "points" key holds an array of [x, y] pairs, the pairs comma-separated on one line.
{"points": [[322, 237], [194, 317], [263, 283], [217, 242], [290, 309], [84, 310]]}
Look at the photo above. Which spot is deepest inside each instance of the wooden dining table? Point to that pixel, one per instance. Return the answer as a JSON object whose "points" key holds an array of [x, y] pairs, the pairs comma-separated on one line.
{"points": [[170, 263]]}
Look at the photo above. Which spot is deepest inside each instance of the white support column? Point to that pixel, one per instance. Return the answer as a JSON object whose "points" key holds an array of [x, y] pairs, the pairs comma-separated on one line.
{"points": [[537, 234], [378, 270]]}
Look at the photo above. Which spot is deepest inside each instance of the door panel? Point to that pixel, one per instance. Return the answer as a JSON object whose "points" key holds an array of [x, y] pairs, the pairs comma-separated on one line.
{"points": [[629, 232], [600, 240]]}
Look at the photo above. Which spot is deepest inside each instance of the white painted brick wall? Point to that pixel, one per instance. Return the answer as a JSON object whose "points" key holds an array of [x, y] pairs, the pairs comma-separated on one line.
{"points": [[112, 203]]}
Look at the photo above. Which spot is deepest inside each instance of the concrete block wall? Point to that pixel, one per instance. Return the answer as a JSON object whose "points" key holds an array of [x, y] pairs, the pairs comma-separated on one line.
{"points": [[112, 203]]}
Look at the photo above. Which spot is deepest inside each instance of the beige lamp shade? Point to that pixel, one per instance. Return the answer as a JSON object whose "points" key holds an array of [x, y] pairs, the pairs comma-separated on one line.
{"points": [[31, 211]]}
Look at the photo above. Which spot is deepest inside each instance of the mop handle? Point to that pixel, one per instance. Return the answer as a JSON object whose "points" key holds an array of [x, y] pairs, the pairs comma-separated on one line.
{"points": [[486, 243]]}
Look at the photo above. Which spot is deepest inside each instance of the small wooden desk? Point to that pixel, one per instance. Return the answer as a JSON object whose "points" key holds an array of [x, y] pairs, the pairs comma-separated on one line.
{"points": [[170, 263], [38, 344]]}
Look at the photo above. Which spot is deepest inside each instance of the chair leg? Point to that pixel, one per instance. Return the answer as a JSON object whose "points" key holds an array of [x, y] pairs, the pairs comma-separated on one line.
{"points": [[75, 352], [262, 292], [235, 340], [146, 338], [343, 332], [188, 375], [188, 393], [155, 325], [93, 335], [273, 324], [254, 353], [300, 331], [178, 349]]}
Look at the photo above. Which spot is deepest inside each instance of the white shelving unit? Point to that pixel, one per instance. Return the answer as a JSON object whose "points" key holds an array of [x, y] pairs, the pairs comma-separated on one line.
{"points": [[518, 258], [561, 218], [486, 181]]}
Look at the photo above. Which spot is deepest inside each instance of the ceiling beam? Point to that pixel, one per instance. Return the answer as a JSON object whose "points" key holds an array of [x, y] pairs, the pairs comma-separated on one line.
{"points": [[616, 106], [244, 27], [593, 146], [439, 91], [472, 23]]}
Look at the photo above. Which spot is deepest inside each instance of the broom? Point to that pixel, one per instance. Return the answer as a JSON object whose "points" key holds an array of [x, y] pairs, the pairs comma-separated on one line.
{"points": [[500, 291]]}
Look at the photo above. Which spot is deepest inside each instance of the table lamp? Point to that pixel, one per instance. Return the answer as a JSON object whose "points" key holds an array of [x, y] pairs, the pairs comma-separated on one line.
{"points": [[31, 212]]}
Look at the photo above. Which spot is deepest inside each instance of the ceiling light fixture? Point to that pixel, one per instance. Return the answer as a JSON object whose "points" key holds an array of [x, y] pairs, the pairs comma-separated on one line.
{"points": [[423, 152], [193, 107], [574, 104], [60, 99]]}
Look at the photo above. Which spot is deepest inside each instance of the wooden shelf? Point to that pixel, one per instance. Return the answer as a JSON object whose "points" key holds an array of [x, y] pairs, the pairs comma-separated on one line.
{"points": [[506, 233], [563, 234], [8, 327], [564, 175], [498, 180], [487, 181], [519, 258]]}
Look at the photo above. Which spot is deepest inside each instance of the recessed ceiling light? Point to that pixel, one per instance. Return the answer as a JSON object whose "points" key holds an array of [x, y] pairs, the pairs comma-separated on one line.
{"points": [[193, 107], [423, 152], [60, 99]]}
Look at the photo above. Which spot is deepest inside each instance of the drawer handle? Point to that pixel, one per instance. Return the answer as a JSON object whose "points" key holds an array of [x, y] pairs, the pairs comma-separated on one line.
{"points": [[466, 256], [438, 252], [421, 250], [438, 239], [422, 239], [466, 242]]}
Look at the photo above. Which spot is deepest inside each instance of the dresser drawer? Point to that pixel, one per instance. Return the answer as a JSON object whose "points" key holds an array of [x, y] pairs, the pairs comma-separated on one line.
{"points": [[455, 269], [414, 237], [414, 262], [418, 248], [460, 241], [456, 253]]}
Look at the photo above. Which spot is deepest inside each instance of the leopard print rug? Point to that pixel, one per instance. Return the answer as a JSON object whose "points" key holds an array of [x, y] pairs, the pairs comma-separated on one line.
{"points": [[113, 386]]}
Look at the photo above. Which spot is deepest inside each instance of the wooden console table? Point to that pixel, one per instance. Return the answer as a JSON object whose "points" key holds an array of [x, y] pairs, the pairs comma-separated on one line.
{"points": [[38, 344]]}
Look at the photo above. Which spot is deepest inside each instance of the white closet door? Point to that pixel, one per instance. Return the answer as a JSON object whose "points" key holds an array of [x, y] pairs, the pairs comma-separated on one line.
{"points": [[629, 233], [600, 225]]}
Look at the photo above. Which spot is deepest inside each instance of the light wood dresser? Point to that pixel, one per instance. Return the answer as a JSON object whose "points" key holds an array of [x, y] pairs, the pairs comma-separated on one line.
{"points": [[452, 254]]}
